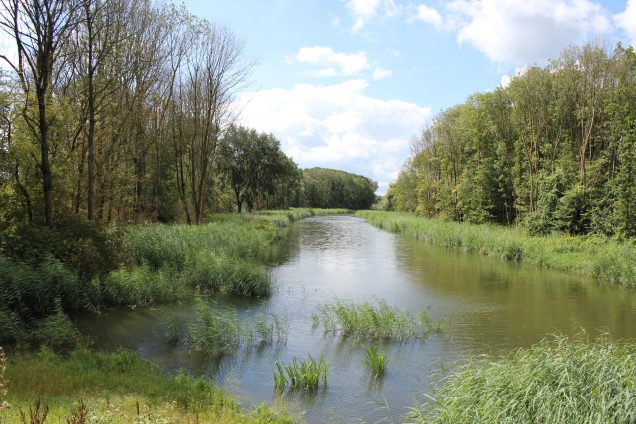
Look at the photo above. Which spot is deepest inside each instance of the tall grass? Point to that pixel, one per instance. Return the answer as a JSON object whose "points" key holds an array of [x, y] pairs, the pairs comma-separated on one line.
{"points": [[216, 331], [364, 320], [303, 375], [564, 380], [119, 388], [598, 257], [375, 361]]}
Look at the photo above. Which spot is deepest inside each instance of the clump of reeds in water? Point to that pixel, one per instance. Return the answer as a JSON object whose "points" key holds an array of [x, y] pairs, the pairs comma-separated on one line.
{"points": [[562, 380], [308, 374], [365, 320], [375, 360], [215, 331]]}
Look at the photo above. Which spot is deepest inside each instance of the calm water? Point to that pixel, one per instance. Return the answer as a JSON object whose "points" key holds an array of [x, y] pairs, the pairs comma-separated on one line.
{"points": [[490, 307]]}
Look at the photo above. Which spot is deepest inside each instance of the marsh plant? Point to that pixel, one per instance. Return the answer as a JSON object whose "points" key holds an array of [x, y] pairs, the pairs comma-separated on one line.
{"points": [[375, 361], [367, 321], [562, 380], [3, 384], [216, 331], [305, 375]]}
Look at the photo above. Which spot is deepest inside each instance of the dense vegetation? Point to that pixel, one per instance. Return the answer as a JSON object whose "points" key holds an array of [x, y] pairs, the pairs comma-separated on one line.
{"points": [[558, 381], [329, 188], [599, 257], [555, 151], [115, 388]]}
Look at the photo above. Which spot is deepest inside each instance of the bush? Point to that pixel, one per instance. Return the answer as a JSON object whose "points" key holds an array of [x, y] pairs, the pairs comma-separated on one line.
{"points": [[57, 332]]}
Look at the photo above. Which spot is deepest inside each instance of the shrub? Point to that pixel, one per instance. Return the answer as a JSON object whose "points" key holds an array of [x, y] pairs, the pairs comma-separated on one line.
{"points": [[57, 332]]}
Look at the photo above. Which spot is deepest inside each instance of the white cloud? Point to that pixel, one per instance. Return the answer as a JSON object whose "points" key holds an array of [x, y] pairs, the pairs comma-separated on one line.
{"points": [[429, 15], [626, 20], [363, 11], [337, 126], [332, 63], [505, 80], [380, 73], [522, 31]]}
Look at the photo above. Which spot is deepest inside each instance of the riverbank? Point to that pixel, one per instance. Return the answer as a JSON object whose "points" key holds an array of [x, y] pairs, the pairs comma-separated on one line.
{"points": [[94, 387], [601, 258], [561, 380]]}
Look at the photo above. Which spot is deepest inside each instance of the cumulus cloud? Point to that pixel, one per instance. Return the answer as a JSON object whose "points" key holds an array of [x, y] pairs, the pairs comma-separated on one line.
{"points": [[337, 126], [627, 21], [521, 31], [429, 15], [331, 63], [363, 11]]}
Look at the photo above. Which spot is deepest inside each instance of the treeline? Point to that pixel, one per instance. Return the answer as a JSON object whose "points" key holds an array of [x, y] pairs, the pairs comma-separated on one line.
{"points": [[330, 188], [555, 151]]}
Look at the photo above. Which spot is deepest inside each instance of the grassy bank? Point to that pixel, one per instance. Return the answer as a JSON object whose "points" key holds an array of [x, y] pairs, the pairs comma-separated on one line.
{"points": [[116, 388], [598, 257], [557, 381]]}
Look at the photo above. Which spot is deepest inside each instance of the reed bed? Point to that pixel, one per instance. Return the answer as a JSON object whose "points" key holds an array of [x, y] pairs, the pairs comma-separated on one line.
{"points": [[364, 321], [305, 375], [599, 257], [375, 361], [561, 380]]}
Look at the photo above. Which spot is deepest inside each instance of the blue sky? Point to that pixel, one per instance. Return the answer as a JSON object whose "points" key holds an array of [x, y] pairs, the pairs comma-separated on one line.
{"points": [[347, 83]]}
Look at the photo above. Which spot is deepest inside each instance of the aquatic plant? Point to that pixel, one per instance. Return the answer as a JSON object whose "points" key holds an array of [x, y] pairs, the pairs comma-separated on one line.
{"points": [[213, 331], [365, 320], [599, 257], [375, 361], [303, 375], [560, 380]]}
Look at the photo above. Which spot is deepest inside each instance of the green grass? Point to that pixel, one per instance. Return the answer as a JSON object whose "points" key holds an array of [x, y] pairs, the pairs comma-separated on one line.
{"points": [[598, 257], [118, 388], [375, 361], [563, 380], [364, 321], [301, 375]]}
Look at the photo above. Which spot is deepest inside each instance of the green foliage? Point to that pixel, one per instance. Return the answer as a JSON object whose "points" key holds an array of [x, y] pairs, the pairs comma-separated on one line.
{"points": [[307, 375], [330, 188], [364, 320], [599, 257], [57, 332], [375, 361], [558, 381], [553, 150]]}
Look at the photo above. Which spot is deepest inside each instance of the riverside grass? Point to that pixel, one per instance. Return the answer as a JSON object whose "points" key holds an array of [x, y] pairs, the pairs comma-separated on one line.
{"points": [[364, 320], [560, 380], [602, 258], [118, 388]]}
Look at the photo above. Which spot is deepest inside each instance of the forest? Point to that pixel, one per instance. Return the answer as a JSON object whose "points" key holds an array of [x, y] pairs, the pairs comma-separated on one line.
{"points": [[553, 151]]}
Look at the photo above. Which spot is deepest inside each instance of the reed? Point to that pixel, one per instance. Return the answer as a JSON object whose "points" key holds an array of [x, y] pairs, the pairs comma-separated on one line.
{"points": [[375, 361], [306, 375], [364, 320], [561, 380], [602, 258]]}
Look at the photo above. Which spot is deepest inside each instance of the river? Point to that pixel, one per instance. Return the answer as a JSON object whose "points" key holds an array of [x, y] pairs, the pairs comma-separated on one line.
{"points": [[489, 307]]}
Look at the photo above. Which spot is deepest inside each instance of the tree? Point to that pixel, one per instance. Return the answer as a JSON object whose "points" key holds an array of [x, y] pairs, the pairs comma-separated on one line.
{"points": [[39, 29]]}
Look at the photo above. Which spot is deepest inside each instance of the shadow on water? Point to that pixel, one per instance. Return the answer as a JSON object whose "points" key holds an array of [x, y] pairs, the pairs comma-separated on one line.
{"points": [[489, 306]]}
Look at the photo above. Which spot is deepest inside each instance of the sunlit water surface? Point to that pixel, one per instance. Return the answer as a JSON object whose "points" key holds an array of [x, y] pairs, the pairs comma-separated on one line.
{"points": [[489, 306]]}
